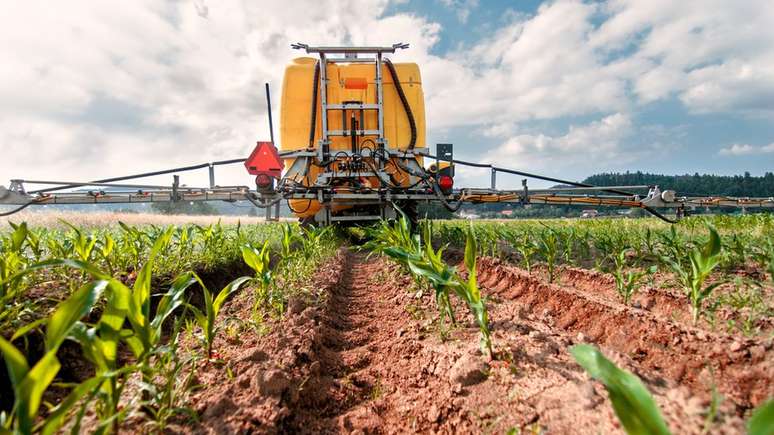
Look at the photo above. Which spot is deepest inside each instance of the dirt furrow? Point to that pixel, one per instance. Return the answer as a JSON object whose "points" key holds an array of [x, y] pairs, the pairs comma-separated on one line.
{"points": [[742, 369], [366, 354]]}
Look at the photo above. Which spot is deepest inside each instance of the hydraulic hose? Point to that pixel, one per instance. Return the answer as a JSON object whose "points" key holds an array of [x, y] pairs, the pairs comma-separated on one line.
{"points": [[315, 87], [658, 215], [17, 209], [404, 101]]}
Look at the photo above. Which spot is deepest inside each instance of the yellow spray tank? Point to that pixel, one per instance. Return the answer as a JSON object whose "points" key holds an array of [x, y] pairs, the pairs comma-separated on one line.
{"points": [[351, 97]]}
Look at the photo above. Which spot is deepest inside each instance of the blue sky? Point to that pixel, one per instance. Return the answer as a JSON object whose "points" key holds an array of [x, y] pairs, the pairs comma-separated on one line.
{"points": [[567, 88], [695, 140]]}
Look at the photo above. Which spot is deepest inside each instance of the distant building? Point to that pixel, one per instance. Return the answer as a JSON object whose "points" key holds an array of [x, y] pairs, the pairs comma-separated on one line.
{"points": [[507, 212]]}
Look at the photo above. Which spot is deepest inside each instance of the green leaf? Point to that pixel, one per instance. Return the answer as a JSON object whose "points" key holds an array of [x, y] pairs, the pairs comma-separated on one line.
{"points": [[252, 258], [762, 420], [173, 298], [632, 402], [18, 236], [30, 391], [14, 361], [70, 311], [56, 419], [24, 330], [226, 291]]}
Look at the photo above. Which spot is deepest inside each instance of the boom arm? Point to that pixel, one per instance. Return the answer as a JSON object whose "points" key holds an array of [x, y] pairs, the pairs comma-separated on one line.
{"points": [[109, 192]]}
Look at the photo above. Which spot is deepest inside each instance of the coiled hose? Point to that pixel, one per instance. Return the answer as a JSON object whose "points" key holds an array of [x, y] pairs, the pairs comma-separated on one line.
{"points": [[404, 101]]}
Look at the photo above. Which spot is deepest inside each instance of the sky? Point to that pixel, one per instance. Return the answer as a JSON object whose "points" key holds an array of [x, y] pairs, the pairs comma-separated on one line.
{"points": [[90, 90]]}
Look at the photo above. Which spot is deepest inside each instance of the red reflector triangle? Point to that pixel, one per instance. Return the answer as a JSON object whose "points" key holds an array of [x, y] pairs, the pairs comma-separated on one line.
{"points": [[264, 160]]}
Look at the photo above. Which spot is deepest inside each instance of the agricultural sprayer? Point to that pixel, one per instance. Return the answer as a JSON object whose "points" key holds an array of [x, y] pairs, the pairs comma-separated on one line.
{"points": [[352, 149]]}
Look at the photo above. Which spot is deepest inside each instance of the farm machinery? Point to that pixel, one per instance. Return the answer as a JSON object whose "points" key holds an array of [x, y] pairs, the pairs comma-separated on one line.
{"points": [[352, 149]]}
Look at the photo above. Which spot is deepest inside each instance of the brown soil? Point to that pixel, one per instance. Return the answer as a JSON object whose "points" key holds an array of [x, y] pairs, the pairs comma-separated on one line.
{"points": [[743, 369], [666, 302], [366, 355]]}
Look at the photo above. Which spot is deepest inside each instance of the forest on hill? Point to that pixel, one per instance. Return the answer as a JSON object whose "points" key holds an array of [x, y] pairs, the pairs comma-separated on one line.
{"points": [[692, 185]]}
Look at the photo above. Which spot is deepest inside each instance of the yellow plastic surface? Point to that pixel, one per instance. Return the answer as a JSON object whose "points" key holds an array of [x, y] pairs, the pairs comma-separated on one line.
{"points": [[296, 112]]}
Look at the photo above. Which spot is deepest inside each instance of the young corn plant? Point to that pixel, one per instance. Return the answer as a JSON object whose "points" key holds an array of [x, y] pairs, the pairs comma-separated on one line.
{"points": [[83, 244], [259, 261], [470, 292], [627, 282], [428, 264], [632, 403], [212, 305], [527, 248], [702, 260], [425, 262], [29, 383], [549, 249]]}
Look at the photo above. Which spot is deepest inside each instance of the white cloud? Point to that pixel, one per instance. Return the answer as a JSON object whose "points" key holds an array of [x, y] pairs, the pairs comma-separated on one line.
{"points": [[746, 149], [90, 89], [714, 55], [598, 144], [180, 82], [534, 68]]}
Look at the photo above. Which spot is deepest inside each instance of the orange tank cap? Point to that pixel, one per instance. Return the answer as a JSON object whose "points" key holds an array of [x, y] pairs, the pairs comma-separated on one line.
{"points": [[355, 83]]}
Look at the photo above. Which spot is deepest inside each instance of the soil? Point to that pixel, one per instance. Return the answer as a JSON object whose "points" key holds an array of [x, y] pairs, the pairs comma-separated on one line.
{"points": [[365, 353], [668, 302]]}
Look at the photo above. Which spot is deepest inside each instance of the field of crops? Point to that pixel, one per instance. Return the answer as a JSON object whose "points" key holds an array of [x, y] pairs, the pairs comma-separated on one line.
{"points": [[558, 326]]}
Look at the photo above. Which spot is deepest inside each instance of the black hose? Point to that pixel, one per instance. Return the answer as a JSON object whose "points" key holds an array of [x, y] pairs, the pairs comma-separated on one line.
{"points": [[404, 100], [527, 174], [658, 215], [17, 209], [315, 86], [262, 205], [444, 202]]}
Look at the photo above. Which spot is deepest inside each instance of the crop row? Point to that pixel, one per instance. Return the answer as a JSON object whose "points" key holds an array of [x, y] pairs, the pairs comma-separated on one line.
{"points": [[108, 301], [699, 255], [691, 259]]}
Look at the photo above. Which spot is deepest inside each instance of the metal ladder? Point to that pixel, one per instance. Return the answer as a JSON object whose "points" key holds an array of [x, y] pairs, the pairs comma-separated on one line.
{"points": [[351, 55]]}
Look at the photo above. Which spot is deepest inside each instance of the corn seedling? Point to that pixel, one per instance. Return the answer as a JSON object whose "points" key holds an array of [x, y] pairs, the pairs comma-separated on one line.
{"points": [[549, 248], [527, 248], [702, 261], [627, 281], [212, 308], [633, 404], [29, 383]]}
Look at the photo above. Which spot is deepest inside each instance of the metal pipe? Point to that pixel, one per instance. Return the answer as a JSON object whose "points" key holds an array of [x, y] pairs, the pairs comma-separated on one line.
{"points": [[81, 184], [268, 105], [146, 174]]}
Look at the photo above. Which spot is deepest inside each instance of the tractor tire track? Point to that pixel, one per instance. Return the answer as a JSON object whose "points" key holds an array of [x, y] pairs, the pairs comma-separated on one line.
{"points": [[351, 349]]}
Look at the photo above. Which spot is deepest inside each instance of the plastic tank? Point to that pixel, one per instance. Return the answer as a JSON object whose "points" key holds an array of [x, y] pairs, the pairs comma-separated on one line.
{"points": [[295, 116]]}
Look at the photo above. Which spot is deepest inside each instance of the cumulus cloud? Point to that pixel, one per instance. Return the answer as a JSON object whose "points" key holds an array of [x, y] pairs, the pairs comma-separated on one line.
{"points": [[746, 150], [597, 143], [88, 89]]}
